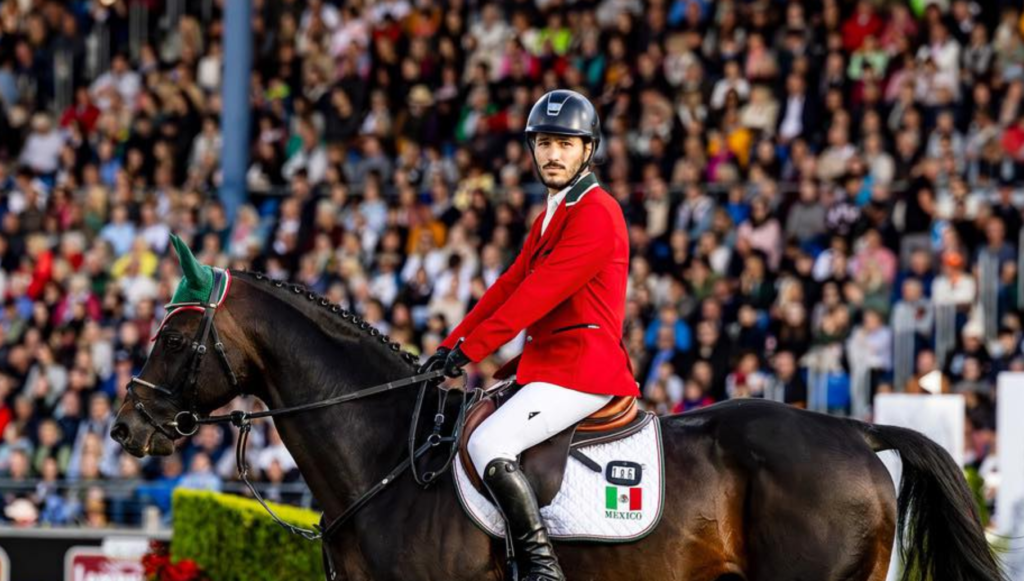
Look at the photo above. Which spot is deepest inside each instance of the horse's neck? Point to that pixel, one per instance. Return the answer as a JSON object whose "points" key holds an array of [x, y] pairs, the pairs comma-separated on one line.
{"points": [[343, 449]]}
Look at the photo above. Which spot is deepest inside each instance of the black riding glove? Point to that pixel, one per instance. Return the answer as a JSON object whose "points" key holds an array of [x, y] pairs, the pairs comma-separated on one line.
{"points": [[455, 362], [435, 361]]}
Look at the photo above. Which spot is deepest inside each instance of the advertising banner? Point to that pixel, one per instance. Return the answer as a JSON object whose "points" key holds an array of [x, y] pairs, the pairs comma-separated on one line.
{"points": [[95, 564]]}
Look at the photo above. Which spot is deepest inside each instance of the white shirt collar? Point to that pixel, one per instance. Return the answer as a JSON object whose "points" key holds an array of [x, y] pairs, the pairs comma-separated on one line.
{"points": [[554, 200]]}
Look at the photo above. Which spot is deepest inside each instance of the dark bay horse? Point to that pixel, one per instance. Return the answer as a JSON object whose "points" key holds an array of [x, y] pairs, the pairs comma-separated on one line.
{"points": [[755, 490]]}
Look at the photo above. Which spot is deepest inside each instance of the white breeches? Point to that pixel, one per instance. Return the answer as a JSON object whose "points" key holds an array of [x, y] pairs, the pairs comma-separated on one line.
{"points": [[537, 412]]}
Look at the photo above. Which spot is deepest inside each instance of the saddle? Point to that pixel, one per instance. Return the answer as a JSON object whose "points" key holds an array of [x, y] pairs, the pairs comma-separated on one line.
{"points": [[544, 464]]}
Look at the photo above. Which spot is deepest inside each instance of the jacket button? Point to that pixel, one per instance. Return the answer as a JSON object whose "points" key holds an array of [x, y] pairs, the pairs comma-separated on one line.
{"points": [[529, 338]]}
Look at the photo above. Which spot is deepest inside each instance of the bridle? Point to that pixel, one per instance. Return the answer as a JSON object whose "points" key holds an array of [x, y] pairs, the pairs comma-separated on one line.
{"points": [[187, 422]]}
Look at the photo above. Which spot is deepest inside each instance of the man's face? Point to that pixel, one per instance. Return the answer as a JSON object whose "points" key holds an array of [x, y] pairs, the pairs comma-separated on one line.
{"points": [[785, 366], [99, 409], [911, 290], [559, 157], [920, 262], [995, 231]]}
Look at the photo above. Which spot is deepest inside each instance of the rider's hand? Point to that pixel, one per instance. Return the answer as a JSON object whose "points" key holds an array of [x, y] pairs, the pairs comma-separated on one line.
{"points": [[435, 361], [455, 362]]}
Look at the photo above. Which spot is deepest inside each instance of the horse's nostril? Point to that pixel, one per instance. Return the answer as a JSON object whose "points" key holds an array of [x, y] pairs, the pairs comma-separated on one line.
{"points": [[119, 432]]}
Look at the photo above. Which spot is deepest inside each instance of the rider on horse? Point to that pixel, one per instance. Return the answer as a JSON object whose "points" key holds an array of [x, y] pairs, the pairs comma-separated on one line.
{"points": [[567, 289]]}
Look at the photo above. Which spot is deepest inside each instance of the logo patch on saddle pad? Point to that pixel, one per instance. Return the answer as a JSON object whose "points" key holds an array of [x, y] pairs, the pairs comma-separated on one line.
{"points": [[620, 501], [625, 500], [624, 473], [628, 499]]}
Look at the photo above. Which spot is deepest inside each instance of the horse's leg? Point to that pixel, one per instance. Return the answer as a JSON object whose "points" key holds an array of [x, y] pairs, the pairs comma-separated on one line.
{"points": [[883, 552]]}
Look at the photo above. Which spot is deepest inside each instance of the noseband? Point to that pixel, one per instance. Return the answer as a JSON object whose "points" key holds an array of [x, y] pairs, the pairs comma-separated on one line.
{"points": [[186, 423]]}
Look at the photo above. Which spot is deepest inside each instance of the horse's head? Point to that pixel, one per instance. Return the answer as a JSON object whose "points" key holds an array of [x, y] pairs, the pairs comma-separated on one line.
{"points": [[188, 372]]}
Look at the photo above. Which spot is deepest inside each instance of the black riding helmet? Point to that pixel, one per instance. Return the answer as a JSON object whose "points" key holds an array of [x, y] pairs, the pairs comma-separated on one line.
{"points": [[564, 112]]}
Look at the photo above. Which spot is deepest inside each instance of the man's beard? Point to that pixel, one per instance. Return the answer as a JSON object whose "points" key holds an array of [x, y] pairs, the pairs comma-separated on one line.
{"points": [[559, 183]]}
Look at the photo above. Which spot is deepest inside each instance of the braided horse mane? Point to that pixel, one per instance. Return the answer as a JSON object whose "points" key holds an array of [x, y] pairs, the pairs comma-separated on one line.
{"points": [[354, 320]]}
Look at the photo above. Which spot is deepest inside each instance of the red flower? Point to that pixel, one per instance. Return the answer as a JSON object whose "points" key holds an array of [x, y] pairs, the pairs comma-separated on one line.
{"points": [[158, 547], [189, 569], [184, 570], [154, 563], [158, 566]]}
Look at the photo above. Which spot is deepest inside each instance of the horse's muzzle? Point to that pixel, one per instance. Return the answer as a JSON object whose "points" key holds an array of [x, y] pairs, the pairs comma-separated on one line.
{"points": [[120, 433]]}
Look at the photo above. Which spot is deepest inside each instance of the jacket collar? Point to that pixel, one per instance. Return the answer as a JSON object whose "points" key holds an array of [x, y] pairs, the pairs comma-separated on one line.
{"points": [[575, 194], [580, 188]]}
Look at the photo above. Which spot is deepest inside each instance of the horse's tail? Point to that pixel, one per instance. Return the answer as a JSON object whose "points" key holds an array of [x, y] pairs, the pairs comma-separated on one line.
{"points": [[939, 531]]}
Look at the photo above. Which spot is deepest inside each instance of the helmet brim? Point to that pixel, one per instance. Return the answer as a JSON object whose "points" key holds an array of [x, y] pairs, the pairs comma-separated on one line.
{"points": [[556, 130]]}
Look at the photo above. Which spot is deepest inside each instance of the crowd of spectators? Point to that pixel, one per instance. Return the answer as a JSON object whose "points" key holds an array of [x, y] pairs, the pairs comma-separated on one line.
{"points": [[796, 176]]}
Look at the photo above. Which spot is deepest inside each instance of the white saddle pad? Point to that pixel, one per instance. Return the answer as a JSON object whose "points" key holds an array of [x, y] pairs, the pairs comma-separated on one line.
{"points": [[621, 503]]}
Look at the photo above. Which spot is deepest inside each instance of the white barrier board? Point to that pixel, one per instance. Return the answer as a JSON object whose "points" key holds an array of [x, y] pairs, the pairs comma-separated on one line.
{"points": [[1010, 501], [940, 417]]}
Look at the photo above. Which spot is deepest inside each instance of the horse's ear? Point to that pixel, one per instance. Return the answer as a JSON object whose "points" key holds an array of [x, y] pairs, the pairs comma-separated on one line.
{"points": [[197, 275]]}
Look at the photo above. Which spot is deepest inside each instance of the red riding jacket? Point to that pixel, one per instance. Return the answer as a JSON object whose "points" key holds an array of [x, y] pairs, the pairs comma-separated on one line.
{"points": [[567, 288]]}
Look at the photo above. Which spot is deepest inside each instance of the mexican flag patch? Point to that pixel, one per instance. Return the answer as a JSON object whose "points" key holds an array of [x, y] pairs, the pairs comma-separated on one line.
{"points": [[619, 498]]}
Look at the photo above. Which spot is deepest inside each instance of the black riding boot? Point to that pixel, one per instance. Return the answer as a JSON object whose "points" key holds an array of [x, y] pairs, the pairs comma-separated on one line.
{"points": [[518, 504]]}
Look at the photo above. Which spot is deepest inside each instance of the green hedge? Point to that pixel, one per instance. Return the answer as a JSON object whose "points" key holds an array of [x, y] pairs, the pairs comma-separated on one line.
{"points": [[977, 485], [234, 539]]}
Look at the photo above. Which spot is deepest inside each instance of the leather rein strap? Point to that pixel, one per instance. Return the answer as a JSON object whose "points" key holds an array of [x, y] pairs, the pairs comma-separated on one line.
{"points": [[243, 421]]}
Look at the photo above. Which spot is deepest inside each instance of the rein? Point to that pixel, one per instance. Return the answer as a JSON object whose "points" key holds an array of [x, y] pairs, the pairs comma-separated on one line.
{"points": [[243, 421], [187, 422]]}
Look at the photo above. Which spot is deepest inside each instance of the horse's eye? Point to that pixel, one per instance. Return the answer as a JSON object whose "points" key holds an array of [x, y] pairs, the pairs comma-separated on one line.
{"points": [[175, 341]]}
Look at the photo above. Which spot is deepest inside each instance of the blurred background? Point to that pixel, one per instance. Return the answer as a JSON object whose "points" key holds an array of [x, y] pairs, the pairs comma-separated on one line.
{"points": [[823, 198]]}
